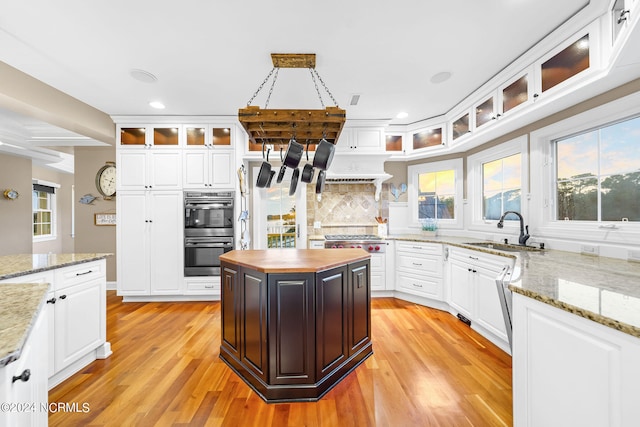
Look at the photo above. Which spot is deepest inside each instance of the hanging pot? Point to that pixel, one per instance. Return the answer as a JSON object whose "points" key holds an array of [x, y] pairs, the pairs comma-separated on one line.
{"points": [[265, 170], [271, 174], [294, 154], [283, 169], [294, 181], [320, 182], [324, 155], [307, 173]]}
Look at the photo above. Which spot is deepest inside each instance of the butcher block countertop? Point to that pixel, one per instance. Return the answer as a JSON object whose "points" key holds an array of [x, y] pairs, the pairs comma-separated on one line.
{"points": [[294, 260]]}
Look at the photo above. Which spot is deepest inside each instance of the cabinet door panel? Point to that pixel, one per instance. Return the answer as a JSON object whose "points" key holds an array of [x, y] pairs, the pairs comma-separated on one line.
{"points": [[221, 173], [132, 170], [166, 243], [292, 329], [165, 170], [195, 169], [230, 316], [78, 321], [331, 321], [359, 311], [254, 323], [488, 309], [461, 288], [132, 247]]}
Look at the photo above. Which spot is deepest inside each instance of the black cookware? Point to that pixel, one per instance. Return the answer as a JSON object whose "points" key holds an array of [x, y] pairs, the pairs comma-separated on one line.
{"points": [[294, 154], [320, 182], [307, 173], [265, 170], [294, 181], [271, 174], [324, 155], [283, 169]]}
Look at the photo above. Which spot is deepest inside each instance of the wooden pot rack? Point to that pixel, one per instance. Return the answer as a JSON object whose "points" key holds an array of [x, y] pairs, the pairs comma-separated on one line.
{"points": [[278, 126]]}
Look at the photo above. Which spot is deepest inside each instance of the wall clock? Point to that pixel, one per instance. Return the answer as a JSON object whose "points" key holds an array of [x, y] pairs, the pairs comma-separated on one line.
{"points": [[106, 180], [10, 194]]}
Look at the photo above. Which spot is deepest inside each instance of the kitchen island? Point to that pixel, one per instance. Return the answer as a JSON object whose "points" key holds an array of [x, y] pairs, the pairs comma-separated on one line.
{"points": [[295, 321]]}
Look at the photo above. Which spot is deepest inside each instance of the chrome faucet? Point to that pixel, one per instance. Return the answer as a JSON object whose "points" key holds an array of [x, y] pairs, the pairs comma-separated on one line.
{"points": [[524, 236]]}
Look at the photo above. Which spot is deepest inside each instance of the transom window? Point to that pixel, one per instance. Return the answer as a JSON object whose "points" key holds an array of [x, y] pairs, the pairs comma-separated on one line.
{"points": [[598, 174]]}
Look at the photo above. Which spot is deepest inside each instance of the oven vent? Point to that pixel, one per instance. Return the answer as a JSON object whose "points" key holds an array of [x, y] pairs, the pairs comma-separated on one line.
{"points": [[350, 181]]}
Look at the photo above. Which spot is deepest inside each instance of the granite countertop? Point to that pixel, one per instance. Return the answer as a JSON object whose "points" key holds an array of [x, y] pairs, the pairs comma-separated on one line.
{"points": [[23, 264], [605, 290], [294, 260], [19, 308]]}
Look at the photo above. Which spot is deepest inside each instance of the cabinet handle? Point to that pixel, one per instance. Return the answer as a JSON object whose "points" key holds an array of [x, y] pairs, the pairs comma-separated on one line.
{"points": [[417, 286], [86, 272], [24, 377], [474, 271], [51, 301], [418, 264], [417, 247], [63, 297], [473, 257]]}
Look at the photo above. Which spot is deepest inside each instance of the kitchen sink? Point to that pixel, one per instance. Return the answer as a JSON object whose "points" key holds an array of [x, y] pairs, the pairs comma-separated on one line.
{"points": [[504, 246]]}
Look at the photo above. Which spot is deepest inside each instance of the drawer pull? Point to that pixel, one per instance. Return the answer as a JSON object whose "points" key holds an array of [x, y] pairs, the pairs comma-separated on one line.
{"points": [[24, 377], [473, 257], [418, 247], [63, 297], [416, 286], [417, 263], [209, 286], [51, 301], [86, 272]]}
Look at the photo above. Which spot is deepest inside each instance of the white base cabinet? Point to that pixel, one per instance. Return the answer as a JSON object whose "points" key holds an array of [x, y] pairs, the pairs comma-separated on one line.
{"points": [[25, 399], [571, 371], [150, 243], [472, 291], [419, 269]]}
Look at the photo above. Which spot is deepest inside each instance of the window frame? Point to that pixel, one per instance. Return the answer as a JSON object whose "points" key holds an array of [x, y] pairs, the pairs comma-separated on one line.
{"points": [[475, 162], [414, 171], [542, 158], [53, 205]]}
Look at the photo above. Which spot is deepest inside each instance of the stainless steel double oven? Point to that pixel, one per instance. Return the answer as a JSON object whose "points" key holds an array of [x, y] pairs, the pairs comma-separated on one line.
{"points": [[208, 231]]}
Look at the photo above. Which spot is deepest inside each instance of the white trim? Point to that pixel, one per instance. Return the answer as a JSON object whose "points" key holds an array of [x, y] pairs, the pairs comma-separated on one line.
{"points": [[542, 214], [412, 177], [474, 185]]}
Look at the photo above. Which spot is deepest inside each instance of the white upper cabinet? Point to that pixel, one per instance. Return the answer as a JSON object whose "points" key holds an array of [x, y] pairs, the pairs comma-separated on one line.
{"points": [[362, 140]]}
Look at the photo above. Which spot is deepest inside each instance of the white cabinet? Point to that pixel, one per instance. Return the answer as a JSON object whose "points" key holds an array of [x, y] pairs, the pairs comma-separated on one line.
{"points": [[316, 244], [571, 371], [419, 269], [23, 383], [208, 168], [472, 291], [378, 272], [362, 140], [158, 169], [150, 242]]}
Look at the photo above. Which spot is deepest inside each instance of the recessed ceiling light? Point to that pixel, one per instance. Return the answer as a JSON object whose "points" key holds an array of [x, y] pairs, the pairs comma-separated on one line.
{"points": [[441, 77], [157, 104], [402, 115], [143, 76]]}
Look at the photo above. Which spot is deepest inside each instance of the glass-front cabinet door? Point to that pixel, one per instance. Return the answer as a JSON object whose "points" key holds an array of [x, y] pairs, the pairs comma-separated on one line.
{"points": [[279, 220], [208, 136]]}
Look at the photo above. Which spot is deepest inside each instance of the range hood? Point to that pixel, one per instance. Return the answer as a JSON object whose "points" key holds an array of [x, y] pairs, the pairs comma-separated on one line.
{"points": [[358, 169]]}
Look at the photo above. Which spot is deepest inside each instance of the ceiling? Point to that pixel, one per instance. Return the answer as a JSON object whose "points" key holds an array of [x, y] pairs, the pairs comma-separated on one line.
{"points": [[210, 57]]}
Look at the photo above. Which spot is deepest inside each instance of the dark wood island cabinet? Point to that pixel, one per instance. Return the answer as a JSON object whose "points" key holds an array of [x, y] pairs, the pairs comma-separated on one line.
{"points": [[295, 321]]}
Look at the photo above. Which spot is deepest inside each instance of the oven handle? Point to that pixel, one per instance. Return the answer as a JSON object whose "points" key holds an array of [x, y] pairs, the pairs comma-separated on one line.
{"points": [[208, 205], [209, 244]]}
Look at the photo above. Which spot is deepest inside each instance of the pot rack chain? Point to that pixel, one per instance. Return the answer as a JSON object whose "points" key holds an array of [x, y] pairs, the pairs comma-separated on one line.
{"points": [[262, 85], [313, 70]]}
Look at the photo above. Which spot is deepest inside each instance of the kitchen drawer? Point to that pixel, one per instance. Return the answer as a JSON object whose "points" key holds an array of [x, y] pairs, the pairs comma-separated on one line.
{"points": [[419, 264], [79, 273], [430, 287], [202, 285], [416, 248]]}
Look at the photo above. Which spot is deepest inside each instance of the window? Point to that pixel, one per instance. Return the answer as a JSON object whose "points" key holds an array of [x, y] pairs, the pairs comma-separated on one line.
{"points": [[498, 182], [502, 186], [43, 207], [598, 174], [435, 192]]}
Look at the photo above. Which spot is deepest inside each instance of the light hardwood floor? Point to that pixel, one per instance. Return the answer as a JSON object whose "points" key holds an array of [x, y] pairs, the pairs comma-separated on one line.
{"points": [[428, 369]]}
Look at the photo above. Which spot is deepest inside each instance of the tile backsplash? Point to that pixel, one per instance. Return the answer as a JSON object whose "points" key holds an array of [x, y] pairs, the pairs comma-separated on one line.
{"points": [[346, 209]]}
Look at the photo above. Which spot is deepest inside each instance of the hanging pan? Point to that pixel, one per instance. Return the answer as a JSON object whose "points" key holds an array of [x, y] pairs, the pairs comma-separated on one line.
{"points": [[271, 174], [294, 154], [283, 168], [307, 171], [324, 155], [320, 182], [265, 170], [294, 181]]}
